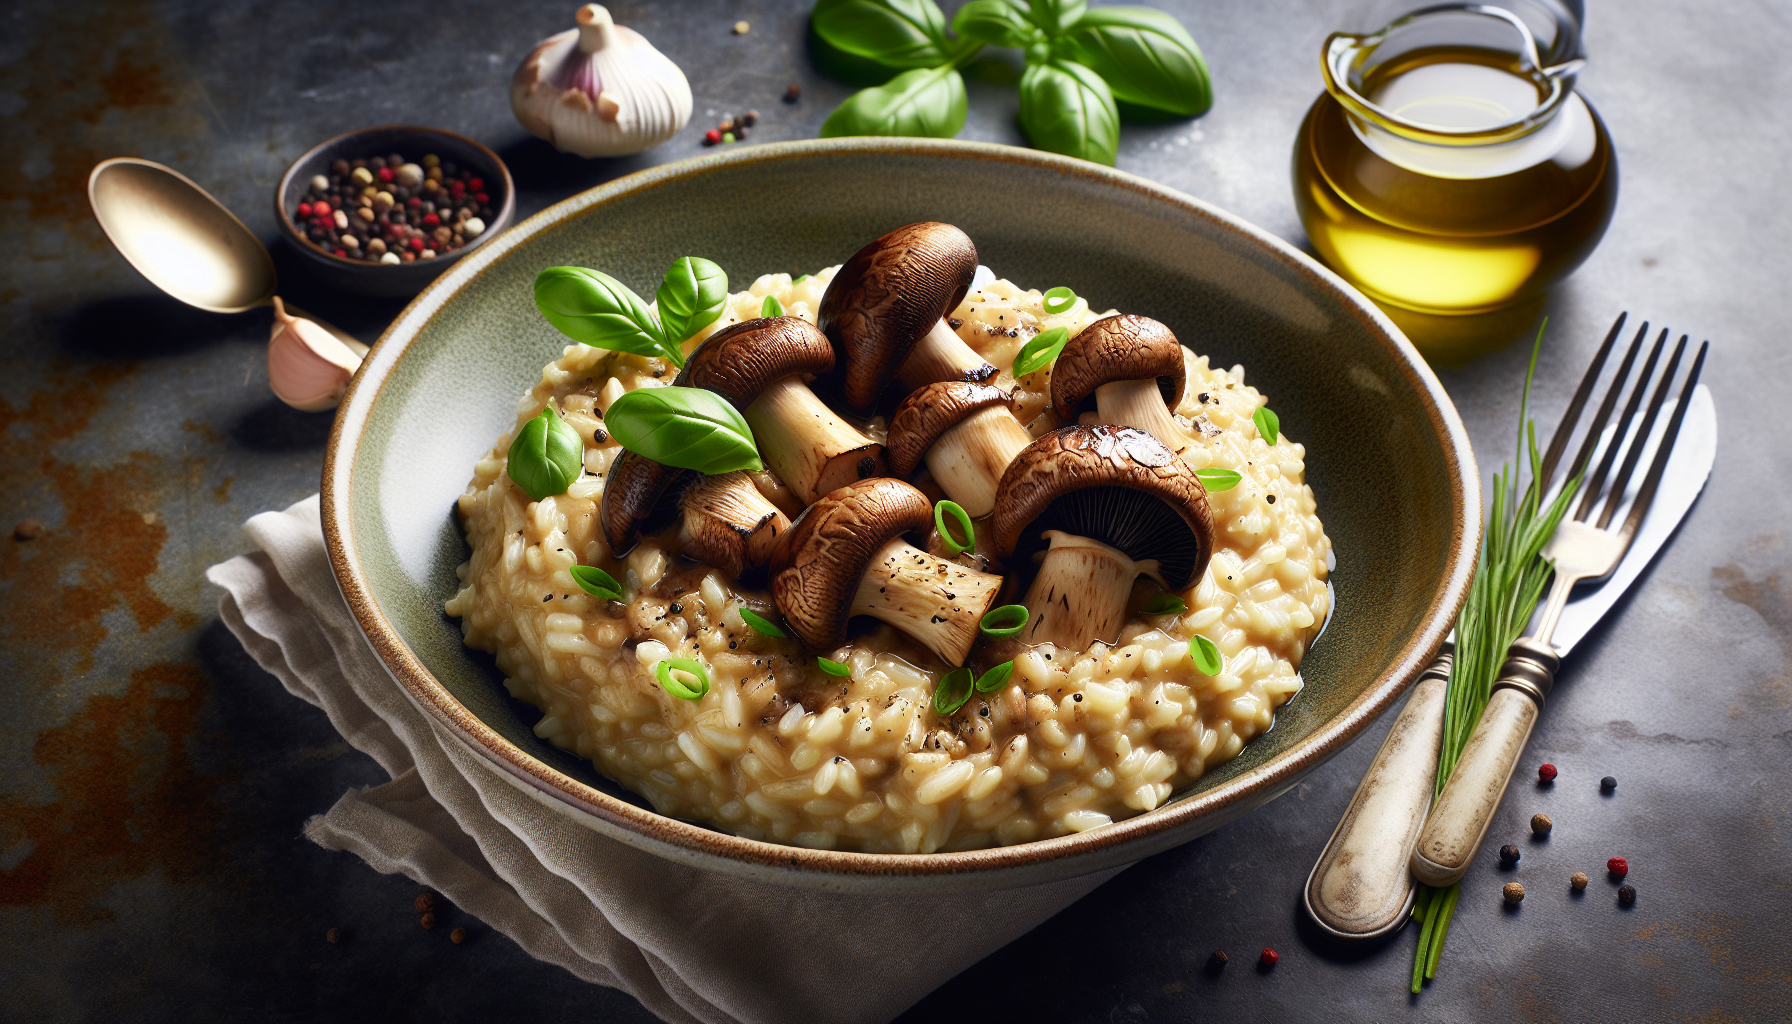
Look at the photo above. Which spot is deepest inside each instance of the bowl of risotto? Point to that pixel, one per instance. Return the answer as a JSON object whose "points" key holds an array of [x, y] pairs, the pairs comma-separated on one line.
{"points": [[894, 515]]}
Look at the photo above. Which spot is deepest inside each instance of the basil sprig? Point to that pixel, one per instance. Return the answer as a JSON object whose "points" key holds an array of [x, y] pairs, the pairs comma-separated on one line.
{"points": [[761, 624], [995, 678], [546, 456], [1087, 68], [953, 690], [1041, 352], [689, 428], [596, 582], [593, 308], [833, 668], [1215, 479], [771, 307], [1206, 655], [1269, 425], [1164, 604]]}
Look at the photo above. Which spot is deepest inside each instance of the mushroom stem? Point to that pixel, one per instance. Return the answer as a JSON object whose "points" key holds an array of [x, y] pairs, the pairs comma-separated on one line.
{"points": [[941, 354], [1139, 403], [728, 523], [969, 458], [811, 449], [1081, 592], [935, 601]]}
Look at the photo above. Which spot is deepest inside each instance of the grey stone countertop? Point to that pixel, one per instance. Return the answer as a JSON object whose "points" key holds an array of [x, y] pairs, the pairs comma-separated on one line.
{"points": [[153, 781]]}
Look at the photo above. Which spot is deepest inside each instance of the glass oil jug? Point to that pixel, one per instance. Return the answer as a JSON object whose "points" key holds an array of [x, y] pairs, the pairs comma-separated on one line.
{"points": [[1450, 167]]}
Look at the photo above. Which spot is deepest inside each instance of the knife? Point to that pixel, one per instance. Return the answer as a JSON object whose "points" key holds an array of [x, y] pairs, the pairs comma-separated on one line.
{"points": [[1361, 888]]}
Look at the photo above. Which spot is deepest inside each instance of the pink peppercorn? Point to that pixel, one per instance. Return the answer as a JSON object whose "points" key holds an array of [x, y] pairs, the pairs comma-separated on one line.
{"points": [[1618, 866], [430, 220], [385, 174], [320, 208], [1547, 773], [712, 136], [416, 245], [1269, 957], [414, 202], [304, 210], [476, 184], [482, 197]]}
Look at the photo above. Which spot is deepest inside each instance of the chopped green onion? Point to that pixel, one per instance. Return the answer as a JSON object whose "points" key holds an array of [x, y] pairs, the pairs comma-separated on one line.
{"points": [[952, 692], [833, 668], [995, 678], [799, 279], [1269, 425], [1005, 621], [1216, 479], [941, 510], [1059, 300], [760, 623], [1206, 655], [678, 687], [596, 582], [771, 306], [1041, 352], [1165, 604]]}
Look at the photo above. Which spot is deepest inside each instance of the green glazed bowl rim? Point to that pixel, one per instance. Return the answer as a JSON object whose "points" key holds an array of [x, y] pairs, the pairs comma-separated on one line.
{"points": [[1124, 841]]}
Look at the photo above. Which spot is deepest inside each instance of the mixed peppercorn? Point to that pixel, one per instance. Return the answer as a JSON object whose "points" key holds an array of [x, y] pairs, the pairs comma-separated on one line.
{"points": [[385, 209]]}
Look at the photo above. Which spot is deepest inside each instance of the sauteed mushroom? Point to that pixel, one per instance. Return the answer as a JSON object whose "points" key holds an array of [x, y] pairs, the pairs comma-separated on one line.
{"points": [[967, 435], [723, 519], [845, 556], [1098, 506], [883, 314], [1134, 367], [759, 365]]}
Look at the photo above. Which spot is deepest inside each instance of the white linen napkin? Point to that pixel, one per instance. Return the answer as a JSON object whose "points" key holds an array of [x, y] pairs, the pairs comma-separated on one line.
{"points": [[690, 945]]}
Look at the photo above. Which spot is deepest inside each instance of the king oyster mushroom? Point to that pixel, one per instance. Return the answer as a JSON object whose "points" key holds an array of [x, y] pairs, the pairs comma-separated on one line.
{"points": [[759, 365], [845, 556], [723, 520], [966, 432], [883, 311], [1097, 507], [1135, 368]]}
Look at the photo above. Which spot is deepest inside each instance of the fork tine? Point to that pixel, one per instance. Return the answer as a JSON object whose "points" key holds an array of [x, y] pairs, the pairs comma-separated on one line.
{"points": [[1642, 435], [1597, 428], [1595, 485], [1559, 442], [1646, 493]]}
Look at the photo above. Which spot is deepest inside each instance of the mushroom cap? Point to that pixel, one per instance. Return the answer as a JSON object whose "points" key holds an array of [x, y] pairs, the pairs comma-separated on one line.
{"points": [[638, 498], [1117, 485], [885, 298], [743, 360], [1123, 347], [929, 412], [817, 565]]}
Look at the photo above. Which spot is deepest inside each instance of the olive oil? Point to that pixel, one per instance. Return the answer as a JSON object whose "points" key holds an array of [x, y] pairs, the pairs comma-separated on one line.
{"points": [[1454, 228]]}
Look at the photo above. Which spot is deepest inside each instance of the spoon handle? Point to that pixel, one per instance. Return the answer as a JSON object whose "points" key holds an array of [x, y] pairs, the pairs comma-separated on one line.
{"points": [[336, 332]]}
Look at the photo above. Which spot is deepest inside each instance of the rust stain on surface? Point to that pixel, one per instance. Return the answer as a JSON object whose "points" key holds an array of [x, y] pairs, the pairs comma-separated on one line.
{"points": [[128, 800], [1769, 599]]}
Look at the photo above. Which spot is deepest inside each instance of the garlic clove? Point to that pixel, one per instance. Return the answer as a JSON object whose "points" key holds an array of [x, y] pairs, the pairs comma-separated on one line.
{"points": [[308, 367], [600, 89]]}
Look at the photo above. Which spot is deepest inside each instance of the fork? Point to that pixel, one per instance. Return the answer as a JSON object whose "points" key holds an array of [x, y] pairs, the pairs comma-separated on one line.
{"points": [[1586, 548]]}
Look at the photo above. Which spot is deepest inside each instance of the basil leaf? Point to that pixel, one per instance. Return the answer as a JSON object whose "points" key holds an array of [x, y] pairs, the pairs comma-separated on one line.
{"points": [[996, 22], [771, 306], [1005, 621], [1269, 425], [597, 310], [953, 691], [678, 687], [833, 668], [1206, 655], [760, 623], [1056, 16], [1066, 108], [927, 103], [899, 33], [1164, 604], [941, 510], [596, 582], [689, 428], [995, 678], [1145, 56], [546, 457], [1041, 352], [692, 296], [1215, 479]]}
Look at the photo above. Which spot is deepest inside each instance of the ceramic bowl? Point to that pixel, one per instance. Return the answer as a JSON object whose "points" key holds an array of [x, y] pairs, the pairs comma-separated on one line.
{"points": [[378, 279], [1386, 454]]}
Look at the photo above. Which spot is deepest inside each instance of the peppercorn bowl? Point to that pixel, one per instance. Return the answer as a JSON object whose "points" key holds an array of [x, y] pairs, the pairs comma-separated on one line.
{"points": [[316, 238], [1387, 456]]}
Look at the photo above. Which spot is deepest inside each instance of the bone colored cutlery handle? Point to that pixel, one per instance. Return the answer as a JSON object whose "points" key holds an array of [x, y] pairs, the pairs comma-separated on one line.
{"points": [[1361, 888], [1459, 821]]}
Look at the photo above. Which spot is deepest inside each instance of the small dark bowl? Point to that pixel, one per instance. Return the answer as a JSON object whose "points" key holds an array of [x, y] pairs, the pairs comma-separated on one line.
{"points": [[384, 280]]}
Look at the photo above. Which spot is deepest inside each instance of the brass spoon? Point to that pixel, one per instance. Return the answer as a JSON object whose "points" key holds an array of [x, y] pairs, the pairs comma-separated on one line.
{"points": [[186, 243]]}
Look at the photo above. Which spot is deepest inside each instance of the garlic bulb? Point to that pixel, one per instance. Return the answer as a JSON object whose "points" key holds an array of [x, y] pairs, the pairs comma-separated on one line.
{"points": [[600, 89], [308, 366]]}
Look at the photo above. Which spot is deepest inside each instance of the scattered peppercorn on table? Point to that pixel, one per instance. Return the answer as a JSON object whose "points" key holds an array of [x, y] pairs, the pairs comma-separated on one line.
{"points": [[157, 781]]}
